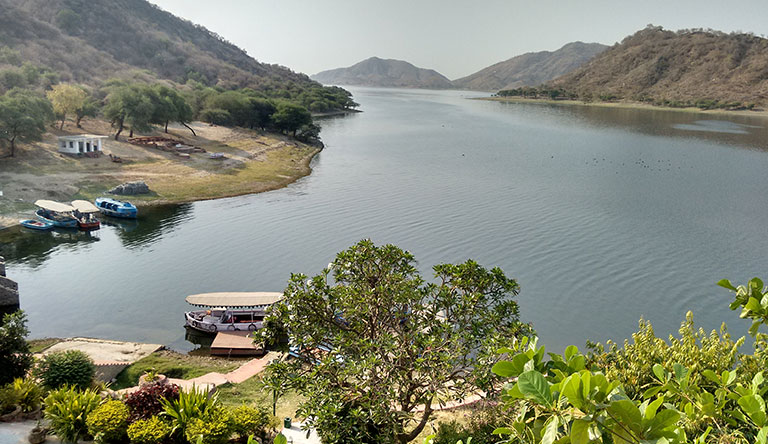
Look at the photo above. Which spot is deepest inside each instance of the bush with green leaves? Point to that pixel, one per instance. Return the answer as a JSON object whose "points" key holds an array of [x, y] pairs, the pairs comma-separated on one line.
{"points": [[24, 393], [213, 427], [148, 431], [478, 426], [109, 422], [71, 367], [15, 357], [191, 404], [250, 421], [67, 409]]}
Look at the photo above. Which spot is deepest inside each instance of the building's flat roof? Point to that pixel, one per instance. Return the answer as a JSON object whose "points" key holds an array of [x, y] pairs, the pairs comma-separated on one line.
{"points": [[82, 136]]}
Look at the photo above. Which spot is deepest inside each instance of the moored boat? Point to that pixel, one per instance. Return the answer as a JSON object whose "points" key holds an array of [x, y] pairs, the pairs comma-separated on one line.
{"points": [[229, 311], [85, 213], [56, 213], [116, 208], [36, 224]]}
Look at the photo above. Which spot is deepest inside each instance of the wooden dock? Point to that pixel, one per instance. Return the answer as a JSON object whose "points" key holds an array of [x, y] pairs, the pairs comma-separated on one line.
{"points": [[235, 343]]}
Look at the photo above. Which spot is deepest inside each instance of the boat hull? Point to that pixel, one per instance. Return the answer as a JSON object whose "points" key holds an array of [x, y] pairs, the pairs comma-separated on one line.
{"points": [[201, 322], [92, 225], [116, 208], [65, 223], [36, 224]]}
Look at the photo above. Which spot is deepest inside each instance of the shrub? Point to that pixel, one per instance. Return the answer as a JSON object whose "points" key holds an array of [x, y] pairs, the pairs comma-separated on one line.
{"points": [[148, 431], [71, 367], [9, 399], [214, 427], [247, 421], [67, 408], [109, 422], [15, 358], [479, 427], [190, 405], [28, 394], [145, 402]]}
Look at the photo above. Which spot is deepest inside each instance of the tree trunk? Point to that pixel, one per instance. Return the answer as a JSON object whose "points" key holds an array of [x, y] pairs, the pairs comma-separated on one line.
{"points": [[166, 127], [405, 438], [63, 118], [119, 130], [77, 122], [189, 128], [13, 145], [131, 134]]}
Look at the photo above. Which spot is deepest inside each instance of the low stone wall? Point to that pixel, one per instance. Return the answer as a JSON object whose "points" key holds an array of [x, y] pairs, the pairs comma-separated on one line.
{"points": [[9, 290]]}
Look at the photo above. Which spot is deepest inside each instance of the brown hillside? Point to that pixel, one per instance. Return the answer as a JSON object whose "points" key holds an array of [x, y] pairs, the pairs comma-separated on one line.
{"points": [[384, 73], [530, 69], [687, 65], [90, 41]]}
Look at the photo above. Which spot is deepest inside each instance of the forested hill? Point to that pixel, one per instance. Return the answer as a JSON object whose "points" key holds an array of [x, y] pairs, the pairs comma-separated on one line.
{"points": [[676, 68], [530, 69], [88, 41], [385, 73]]}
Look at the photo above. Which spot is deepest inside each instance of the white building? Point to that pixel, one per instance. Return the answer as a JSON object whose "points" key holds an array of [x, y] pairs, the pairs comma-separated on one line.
{"points": [[81, 144]]}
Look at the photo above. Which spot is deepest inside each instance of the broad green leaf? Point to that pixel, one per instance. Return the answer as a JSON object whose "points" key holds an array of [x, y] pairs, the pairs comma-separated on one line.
{"points": [[680, 371], [662, 423], [650, 411], [754, 407], [755, 327], [429, 439], [753, 304], [762, 436], [503, 431], [712, 376], [659, 371], [627, 413], [280, 439], [580, 432], [550, 430], [533, 386], [570, 351], [572, 389], [725, 283], [651, 392], [505, 369]]}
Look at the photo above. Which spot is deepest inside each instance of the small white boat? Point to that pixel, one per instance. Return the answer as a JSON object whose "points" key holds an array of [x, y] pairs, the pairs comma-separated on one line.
{"points": [[230, 311]]}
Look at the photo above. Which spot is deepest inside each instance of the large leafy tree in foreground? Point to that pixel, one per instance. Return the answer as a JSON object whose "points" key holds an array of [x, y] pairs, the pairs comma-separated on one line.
{"points": [[381, 347], [15, 358]]}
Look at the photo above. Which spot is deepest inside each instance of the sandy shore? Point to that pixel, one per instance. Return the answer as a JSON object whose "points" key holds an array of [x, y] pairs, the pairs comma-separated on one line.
{"points": [[761, 113], [253, 162]]}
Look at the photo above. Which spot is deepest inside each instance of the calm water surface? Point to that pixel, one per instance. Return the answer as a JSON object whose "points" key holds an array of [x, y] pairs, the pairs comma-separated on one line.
{"points": [[602, 215]]}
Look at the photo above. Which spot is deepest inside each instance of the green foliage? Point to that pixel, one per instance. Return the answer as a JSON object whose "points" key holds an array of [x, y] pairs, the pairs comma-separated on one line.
{"points": [[69, 21], [12, 78], [631, 365], [23, 116], [398, 342], [289, 117], [217, 116], [212, 427], [108, 423], [15, 358], [478, 427], [250, 421], [10, 56], [67, 409], [129, 104], [190, 405], [148, 431], [25, 393], [70, 367], [753, 300], [67, 99]]}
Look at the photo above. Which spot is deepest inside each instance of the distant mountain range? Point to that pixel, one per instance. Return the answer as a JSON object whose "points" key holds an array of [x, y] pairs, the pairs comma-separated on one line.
{"points": [[530, 69], [91, 41], [666, 67], [384, 73]]}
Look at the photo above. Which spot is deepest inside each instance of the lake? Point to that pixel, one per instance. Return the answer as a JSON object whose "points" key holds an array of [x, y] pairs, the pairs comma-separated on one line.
{"points": [[603, 215]]}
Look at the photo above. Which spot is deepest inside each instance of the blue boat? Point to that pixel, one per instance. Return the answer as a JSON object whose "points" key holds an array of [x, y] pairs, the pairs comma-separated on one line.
{"points": [[116, 208], [56, 214], [36, 224]]}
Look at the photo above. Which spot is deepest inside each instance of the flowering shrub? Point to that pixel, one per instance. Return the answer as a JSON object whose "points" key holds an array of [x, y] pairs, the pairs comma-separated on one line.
{"points": [[145, 402]]}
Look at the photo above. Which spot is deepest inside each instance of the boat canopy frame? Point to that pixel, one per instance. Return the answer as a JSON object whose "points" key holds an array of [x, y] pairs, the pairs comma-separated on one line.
{"points": [[84, 206], [56, 207], [258, 299]]}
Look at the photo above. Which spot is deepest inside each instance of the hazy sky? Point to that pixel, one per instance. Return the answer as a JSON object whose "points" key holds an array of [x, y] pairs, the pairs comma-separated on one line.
{"points": [[454, 37]]}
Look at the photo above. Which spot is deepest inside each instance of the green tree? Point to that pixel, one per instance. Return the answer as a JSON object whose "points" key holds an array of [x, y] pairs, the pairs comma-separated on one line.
{"points": [[15, 358], [379, 345], [67, 99], [23, 116], [129, 104], [171, 107], [290, 117]]}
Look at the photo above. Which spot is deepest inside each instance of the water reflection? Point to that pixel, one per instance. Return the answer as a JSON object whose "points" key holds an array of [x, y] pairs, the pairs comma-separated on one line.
{"points": [[739, 129], [154, 223], [20, 245]]}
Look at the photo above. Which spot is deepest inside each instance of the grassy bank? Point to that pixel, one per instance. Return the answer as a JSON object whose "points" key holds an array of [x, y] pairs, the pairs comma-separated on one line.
{"points": [[252, 162], [628, 105]]}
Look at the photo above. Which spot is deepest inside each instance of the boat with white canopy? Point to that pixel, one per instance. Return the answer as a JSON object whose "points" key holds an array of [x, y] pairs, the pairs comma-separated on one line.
{"points": [[56, 213], [85, 213], [231, 311]]}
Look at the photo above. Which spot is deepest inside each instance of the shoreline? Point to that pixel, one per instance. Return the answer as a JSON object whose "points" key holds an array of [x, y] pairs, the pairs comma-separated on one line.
{"points": [[253, 163], [762, 113]]}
